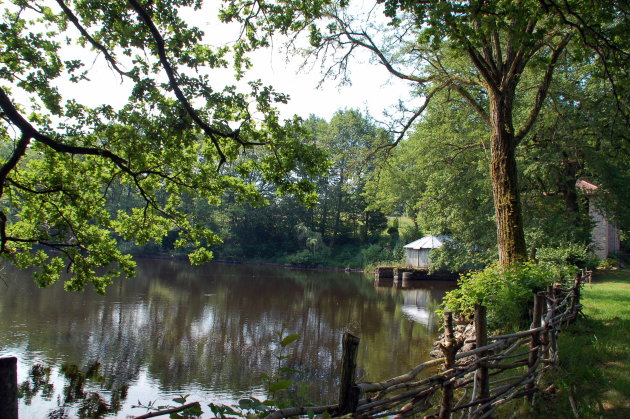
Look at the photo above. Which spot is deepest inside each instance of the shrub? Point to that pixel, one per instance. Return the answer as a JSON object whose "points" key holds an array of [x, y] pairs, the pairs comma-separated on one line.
{"points": [[507, 292], [608, 263], [568, 253]]}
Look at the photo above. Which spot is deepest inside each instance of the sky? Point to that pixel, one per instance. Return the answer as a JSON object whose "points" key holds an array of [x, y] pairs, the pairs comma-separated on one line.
{"points": [[372, 90]]}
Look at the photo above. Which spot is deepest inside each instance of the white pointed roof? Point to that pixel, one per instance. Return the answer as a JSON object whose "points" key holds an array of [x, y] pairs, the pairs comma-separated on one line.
{"points": [[427, 242]]}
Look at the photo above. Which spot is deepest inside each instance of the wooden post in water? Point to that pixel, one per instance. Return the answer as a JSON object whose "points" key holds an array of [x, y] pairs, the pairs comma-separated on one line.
{"points": [[481, 339], [406, 277], [8, 388], [539, 300], [348, 391]]}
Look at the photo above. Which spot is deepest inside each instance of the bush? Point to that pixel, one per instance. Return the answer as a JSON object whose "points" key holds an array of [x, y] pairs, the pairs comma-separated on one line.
{"points": [[307, 257], [608, 263], [568, 253], [374, 253], [507, 292]]}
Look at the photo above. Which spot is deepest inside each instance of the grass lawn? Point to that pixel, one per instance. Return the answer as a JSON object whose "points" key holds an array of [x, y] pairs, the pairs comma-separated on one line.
{"points": [[593, 376]]}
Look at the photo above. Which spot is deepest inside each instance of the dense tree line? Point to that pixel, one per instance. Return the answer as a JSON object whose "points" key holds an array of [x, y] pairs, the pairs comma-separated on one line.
{"points": [[339, 228]]}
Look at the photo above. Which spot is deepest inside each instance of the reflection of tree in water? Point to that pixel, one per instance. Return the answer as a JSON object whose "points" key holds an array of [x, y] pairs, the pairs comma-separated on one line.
{"points": [[89, 403], [38, 381], [214, 327]]}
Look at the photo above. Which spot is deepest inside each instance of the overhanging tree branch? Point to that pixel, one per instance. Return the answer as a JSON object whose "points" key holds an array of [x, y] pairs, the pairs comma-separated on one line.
{"points": [[28, 131], [363, 39], [212, 133], [543, 89], [471, 101], [410, 121], [108, 57], [17, 154]]}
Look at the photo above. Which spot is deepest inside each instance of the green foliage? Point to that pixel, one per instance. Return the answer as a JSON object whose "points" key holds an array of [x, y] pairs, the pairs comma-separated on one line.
{"points": [[439, 176], [567, 253], [608, 263], [507, 292], [77, 180]]}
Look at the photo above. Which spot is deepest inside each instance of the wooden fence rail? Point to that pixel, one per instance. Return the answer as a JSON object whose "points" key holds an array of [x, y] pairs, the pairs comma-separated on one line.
{"points": [[472, 384]]}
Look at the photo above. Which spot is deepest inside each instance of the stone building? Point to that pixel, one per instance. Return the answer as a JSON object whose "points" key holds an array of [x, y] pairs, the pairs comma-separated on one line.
{"points": [[605, 236]]}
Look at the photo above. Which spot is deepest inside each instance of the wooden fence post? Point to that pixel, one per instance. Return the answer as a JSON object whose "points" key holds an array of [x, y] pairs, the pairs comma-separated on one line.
{"points": [[449, 349], [575, 298], [546, 308], [348, 391], [539, 300], [481, 338], [551, 331], [8, 388]]}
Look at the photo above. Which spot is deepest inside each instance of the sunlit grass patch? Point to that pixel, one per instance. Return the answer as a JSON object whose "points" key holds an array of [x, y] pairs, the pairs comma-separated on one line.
{"points": [[593, 377]]}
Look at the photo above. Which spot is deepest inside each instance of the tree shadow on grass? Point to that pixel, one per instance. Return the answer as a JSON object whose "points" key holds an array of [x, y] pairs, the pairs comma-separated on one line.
{"points": [[592, 379]]}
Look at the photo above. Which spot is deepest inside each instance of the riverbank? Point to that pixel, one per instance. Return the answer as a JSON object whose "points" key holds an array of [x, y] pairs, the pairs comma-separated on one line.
{"points": [[593, 377], [256, 262]]}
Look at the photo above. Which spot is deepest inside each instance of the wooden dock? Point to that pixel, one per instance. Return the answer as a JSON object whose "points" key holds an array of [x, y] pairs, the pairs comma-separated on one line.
{"points": [[402, 277]]}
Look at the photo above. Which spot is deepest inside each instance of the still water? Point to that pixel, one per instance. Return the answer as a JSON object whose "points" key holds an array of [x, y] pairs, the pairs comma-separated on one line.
{"points": [[209, 332]]}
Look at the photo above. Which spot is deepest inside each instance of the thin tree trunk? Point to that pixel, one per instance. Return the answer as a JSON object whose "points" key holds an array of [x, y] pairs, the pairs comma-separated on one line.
{"points": [[569, 193], [510, 233], [339, 205]]}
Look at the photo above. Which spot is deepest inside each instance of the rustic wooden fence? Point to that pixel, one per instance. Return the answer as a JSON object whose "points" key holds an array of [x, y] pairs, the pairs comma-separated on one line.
{"points": [[471, 384]]}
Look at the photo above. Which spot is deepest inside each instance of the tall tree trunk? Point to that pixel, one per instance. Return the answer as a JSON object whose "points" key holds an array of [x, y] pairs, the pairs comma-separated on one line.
{"points": [[568, 190], [507, 206]]}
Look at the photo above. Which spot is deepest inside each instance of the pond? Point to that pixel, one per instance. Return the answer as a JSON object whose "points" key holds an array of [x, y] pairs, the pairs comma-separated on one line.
{"points": [[210, 332]]}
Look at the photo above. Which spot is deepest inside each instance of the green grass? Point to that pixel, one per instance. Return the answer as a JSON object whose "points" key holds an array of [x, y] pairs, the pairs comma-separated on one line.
{"points": [[594, 370]]}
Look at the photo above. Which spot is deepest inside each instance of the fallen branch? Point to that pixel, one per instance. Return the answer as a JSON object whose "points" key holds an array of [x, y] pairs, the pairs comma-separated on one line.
{"points": [[168, 411]]}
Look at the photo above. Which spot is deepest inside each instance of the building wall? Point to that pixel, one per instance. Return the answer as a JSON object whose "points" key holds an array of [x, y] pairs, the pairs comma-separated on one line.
{"points": [[604, 237], [418, 258]]}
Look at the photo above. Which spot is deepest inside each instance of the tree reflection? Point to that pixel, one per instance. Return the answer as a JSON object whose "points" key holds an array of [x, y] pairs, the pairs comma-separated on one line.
{"points": [[38, 381], [89, 403]]}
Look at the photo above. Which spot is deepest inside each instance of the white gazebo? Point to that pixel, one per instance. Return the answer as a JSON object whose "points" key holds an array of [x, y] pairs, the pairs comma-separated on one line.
{"points": [[418, 251]]}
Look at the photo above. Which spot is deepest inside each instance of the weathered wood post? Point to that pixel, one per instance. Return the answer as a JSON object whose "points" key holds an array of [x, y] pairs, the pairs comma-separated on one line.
{"points": [[539, 300], [348, 391], [481, 339], [575, 298], [8, 388], [449, 348], [551, 329], [546, 307], [406, 277]]}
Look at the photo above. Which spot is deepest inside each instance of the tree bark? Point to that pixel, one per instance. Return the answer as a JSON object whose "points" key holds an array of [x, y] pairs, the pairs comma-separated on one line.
{"points": [[569, 192], [507, 206]]}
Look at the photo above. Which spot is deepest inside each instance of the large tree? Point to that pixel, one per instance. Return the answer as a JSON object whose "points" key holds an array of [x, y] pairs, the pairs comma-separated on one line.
{"points": [[439, 174], [493, 42], [177, 133]]}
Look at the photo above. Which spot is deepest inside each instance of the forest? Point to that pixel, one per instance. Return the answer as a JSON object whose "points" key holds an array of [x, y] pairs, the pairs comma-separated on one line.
{"points": [[520, 101]]}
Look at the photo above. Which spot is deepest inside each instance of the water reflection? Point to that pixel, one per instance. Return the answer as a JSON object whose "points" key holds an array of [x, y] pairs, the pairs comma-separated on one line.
{"points": [[208, 331]]}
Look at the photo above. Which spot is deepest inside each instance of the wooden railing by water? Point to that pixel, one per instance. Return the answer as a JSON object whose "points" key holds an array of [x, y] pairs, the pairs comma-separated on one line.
{"points": [[471, 384]]}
